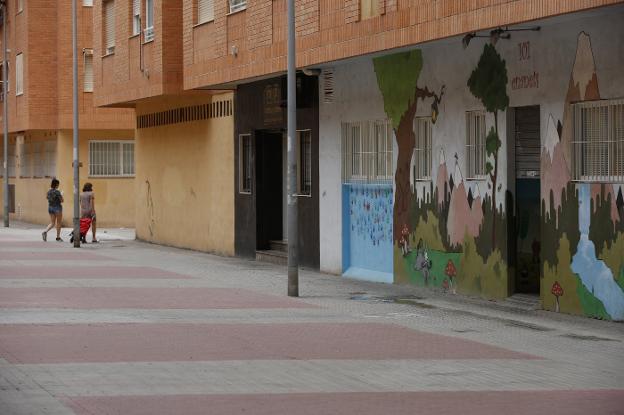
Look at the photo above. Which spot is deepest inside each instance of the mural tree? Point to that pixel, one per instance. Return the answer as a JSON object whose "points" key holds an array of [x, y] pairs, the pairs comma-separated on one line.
{"points": [[397, 78], [488, 82]]}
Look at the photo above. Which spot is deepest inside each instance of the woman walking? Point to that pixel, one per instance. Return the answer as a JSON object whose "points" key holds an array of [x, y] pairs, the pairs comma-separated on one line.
{"points": [[55, 209], [87, 207]]}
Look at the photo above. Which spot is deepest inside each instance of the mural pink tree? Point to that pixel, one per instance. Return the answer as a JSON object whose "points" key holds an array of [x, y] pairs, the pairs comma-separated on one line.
{"points": [[557, 291], [397, 78], [488, 82]]}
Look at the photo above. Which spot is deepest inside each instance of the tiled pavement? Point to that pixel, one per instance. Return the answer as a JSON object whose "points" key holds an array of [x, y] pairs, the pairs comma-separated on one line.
{"points": [[130, 328]]}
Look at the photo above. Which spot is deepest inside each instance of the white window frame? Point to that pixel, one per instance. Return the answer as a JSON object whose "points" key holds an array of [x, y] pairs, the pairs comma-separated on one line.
{"points": [[367, 152], [88, 79], [598, 143], [87, 3], [136, 17], [148, 34], [205, 11], [304, 163], [108, 27], [476, 156], [245, 154], [19, 74], [100, 168], [237, 5], [422, 149]]}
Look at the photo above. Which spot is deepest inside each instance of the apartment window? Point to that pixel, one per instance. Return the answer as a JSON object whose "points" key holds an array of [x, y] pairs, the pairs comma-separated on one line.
{"points": [[109, 26], [87, 3], [19, 74], [88, 70], [20, 5], [422, 149], [236, 5], [245, 163], [367, 151], [369, 8], [205, 11], [111, 158], [149, 20], [475, 144], [304, 165], [136, 17], [8, 84], [598, 145]]}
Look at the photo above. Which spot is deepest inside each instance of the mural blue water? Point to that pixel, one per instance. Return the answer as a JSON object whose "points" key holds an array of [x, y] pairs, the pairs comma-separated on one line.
{"points": [[367, 216], [594, 274]]}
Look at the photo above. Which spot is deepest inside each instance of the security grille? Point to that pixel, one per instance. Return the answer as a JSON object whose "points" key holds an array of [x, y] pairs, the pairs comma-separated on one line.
{"points": [[422, 149], [475, 144], [304, 167], [328, 85], [244, 161], [598, 145], [205, 11], [111, 158], [367, 151], [88, 71], [236, 5]]}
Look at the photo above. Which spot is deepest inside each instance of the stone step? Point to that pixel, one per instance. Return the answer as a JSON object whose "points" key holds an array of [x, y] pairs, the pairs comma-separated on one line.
{"points": [[278, 246], [272, 256]]}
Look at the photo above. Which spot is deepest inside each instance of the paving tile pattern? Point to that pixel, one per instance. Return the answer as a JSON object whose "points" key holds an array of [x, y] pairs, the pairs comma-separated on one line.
{"points": [[129, 328]]}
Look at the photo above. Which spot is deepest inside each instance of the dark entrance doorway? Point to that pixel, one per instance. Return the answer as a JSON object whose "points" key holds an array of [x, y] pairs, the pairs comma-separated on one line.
{"points": [[527, 184], [269, 184]]}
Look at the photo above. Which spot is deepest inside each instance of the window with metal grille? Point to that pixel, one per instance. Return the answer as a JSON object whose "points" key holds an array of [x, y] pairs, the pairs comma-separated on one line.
{"points": [[136, 17], [598, 145], [205, 11], [367, 151], [236, 5], [11, 159], [244, 161], [304, 166], [475, 144], [26, 157], [111, 158], [88, 70], [19, 74], [422, 149], [48, 158], [149, 20], [108, 7]]}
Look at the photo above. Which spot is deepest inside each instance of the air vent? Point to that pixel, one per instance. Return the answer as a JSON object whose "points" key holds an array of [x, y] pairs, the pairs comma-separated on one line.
{"points": [[328, 85]]}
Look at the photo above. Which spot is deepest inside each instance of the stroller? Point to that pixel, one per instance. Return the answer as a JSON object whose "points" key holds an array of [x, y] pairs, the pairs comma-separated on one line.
{"points": [[85, 225]]}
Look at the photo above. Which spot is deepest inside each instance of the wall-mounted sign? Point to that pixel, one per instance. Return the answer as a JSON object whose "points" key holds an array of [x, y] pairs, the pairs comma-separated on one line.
{"points": [[272, 105], [530, 79]]}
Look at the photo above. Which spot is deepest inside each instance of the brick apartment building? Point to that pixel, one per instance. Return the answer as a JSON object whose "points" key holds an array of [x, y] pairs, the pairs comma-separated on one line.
{"points": [[40, 117], [474, 147]]}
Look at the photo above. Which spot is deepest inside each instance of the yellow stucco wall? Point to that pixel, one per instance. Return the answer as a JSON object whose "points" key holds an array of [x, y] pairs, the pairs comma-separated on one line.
{"points": [[185, 180], [114, 196]]}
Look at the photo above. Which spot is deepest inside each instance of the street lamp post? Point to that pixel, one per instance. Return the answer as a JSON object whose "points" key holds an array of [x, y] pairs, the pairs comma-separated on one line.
{"points": [[75, 126], [5, 115], [293, 236]]}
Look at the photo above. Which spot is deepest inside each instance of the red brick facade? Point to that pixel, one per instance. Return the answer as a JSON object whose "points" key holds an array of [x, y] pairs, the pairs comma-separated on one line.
{"points": [[252, 42], [42, 34]]}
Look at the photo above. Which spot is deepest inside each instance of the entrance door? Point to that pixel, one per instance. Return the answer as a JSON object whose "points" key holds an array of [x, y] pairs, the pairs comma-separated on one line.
{"points": [[269, 179], [527, 170]]}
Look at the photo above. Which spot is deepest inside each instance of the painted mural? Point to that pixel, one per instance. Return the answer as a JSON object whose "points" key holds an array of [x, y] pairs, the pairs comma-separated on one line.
{"points": [[449, 237], [367, 217], [584, 222]]}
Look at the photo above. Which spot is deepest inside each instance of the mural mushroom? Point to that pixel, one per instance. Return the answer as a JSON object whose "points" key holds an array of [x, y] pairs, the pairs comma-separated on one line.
{"points": [[451, 272], [557, 291]]}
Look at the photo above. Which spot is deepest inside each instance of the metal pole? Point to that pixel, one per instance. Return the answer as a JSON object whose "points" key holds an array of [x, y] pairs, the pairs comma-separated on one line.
{"points": [[5, 116], [293, 235], [75, 110]]}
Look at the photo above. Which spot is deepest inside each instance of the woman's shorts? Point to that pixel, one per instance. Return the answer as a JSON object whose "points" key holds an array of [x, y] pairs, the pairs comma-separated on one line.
{"points": [[55, 210]]}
